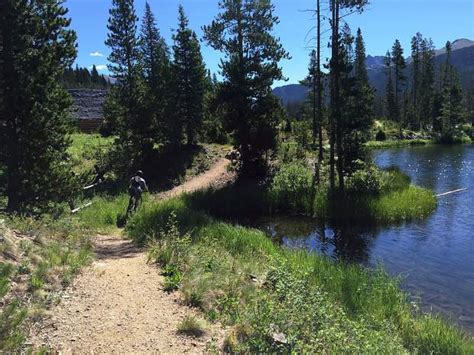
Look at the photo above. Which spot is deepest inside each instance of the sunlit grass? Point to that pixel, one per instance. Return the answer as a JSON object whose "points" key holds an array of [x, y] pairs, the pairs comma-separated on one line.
{"points": [[238, 276]]}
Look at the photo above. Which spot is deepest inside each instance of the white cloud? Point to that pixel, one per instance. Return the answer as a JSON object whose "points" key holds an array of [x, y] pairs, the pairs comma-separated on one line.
{"points": [[96, 54], [99, 67]]}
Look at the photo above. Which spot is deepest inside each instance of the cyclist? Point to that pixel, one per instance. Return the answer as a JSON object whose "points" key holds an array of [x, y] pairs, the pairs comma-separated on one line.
{"points": [[136, 186]]}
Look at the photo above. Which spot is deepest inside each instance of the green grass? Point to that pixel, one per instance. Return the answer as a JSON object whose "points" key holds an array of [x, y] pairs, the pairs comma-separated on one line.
{"points": [[280, 300], [192, 327], [102, 215], [49, 253], [88, 150], [397, 143]]}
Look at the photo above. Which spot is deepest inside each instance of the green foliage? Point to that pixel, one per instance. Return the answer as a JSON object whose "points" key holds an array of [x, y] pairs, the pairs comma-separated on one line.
{"points": [[188, 81], [290, 188], [74, 78], [88, 151], [249, 67], [103, 214], [37, 47], [452, 110], [11, 318]]}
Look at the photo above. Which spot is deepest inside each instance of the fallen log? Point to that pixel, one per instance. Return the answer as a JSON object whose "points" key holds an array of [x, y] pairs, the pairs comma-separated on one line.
{"points": [[451, 192]]}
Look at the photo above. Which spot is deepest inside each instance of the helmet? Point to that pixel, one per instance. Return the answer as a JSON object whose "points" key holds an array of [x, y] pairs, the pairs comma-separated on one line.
{"points": [[139, 173]]}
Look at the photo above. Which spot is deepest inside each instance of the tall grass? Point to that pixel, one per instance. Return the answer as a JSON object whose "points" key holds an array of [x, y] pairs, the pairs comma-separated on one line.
{"points": [[396, 143], [102, 215], [283, 300]]}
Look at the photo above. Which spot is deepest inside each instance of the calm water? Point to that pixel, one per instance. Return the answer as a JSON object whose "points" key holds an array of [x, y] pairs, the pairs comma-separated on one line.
{"points": [[435, 256]]}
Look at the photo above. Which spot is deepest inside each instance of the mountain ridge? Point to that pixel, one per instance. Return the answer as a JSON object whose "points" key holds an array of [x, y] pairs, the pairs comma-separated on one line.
{"points": [[462, 59]]}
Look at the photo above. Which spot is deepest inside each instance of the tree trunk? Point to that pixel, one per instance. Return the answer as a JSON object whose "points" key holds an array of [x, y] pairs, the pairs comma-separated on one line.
{"points": [[332, 135], [320, 89]]}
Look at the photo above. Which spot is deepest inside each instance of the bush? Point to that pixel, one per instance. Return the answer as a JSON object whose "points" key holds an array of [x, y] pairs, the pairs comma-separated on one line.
{"points": [[291, 188], [373, 181], [366, 181]]}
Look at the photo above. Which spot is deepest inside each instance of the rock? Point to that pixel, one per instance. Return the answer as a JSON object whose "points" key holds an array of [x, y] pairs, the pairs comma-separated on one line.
{"points": [[279, 338]]}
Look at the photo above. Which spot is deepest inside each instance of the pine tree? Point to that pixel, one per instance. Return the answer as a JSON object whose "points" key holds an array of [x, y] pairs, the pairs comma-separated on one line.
{"points": [[95, 78], [427, 82], [36, 48], [364, 94], [357, 100], [360, 67], [125, 102], [390, 102], [155, 63], [399, 77], [416, 76], [452, 109], [189, 80], [336, 70], [243, 32]]}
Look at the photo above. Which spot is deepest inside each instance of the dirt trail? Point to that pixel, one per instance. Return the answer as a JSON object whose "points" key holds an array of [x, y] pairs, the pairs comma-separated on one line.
{"points": [[216, 176], [118, 304]]}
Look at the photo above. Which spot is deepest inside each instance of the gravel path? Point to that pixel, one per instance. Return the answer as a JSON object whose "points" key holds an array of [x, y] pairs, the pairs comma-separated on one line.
{"points": [[118, 305]]}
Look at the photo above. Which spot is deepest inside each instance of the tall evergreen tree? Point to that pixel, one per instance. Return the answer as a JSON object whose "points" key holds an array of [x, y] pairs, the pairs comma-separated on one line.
{"points": [[391, 107], [124, 105], [243, 32], [427, 82], [36, 48], [357, 102], [452, 109], [416, 76], [360, 68], [95, 78], [188, 80], [155, 64], [399, 66], [336, 69]]}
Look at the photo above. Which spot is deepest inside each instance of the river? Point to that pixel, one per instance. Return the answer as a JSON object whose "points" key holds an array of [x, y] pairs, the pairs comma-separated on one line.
{"points": [[434, 257]]}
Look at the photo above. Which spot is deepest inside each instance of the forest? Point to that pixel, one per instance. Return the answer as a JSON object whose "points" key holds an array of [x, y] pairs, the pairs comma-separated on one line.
{"points": [[167, 115]]}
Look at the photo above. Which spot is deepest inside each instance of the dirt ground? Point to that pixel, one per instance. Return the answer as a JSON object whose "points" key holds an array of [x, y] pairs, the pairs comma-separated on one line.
{"points": [[117, 305]]}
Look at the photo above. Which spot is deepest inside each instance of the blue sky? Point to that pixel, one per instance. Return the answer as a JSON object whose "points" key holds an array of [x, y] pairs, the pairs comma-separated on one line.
{"points": [[381, 23]]}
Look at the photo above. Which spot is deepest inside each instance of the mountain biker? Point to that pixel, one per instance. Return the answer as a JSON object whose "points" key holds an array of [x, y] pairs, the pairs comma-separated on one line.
{"points": [[136, 186]]}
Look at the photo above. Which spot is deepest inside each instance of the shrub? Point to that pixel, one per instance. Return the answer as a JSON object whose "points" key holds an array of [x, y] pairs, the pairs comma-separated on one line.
{"points": [[291, 188], [366, 181]]}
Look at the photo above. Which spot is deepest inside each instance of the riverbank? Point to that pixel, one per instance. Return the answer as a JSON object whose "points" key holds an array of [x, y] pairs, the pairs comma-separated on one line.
{"points": [[394, 143], [282, 300]]}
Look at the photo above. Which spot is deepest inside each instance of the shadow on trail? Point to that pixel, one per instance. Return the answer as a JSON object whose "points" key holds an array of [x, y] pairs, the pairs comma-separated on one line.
{"points": [[114, 248]]}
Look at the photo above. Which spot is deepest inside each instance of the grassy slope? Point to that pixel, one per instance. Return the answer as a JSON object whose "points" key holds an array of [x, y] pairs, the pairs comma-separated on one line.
{"points": [[284, 300], [38, 258]]}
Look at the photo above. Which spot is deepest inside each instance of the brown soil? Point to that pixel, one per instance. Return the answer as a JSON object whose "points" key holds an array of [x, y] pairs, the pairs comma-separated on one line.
{"points": [[118, 304]]}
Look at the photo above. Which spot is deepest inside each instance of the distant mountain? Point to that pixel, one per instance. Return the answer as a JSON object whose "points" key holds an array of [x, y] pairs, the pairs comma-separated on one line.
{"points": [[374, 63], [291, 93], [462, 58]]}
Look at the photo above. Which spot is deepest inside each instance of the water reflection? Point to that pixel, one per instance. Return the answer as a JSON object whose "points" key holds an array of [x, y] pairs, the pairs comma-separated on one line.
{"points": [[435, 256]]}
